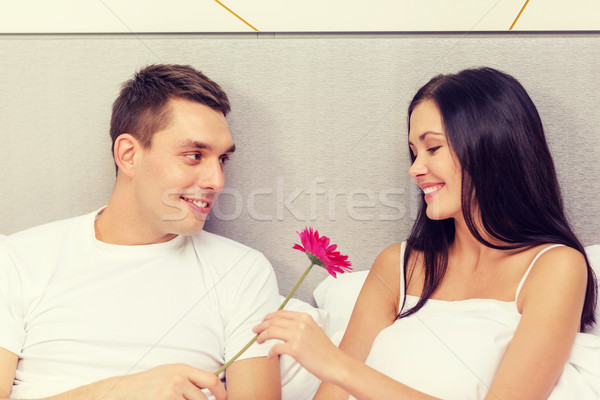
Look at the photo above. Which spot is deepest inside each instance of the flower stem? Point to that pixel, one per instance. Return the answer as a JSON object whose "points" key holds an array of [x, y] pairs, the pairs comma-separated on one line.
{"points": [[287, 299], [291, 293], [228, 363]]}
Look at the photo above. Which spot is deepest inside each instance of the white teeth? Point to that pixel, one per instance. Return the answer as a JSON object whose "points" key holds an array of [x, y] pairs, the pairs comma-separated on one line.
{"points": [[431, 189], [197, 202]]}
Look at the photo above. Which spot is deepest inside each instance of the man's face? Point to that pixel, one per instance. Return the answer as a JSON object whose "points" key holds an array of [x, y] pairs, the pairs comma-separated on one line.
{"points": [[179, 177]]}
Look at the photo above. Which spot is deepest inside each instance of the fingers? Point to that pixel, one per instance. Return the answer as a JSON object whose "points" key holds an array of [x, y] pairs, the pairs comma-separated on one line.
{"points": [[277, 350], [273, 321], [286, 315], [302, 338], [169, 381], [284, 319], [193, 393], [210, 381], [281, 325], [291, 327], [275, 332]]}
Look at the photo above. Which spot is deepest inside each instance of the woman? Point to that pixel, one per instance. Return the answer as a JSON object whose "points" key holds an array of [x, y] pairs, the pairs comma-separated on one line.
{"points": [[488, 294]]}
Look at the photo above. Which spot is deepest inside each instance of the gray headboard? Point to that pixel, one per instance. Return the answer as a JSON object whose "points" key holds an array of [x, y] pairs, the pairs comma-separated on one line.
{"points": [[319, 121]]}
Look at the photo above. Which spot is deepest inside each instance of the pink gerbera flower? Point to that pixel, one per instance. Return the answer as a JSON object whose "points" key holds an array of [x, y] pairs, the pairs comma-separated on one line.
{"points": [[321, 253]]}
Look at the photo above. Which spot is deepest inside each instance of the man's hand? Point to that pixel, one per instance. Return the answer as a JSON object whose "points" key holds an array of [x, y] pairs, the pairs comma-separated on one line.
{"points": [[172, 381], [165, 382]]}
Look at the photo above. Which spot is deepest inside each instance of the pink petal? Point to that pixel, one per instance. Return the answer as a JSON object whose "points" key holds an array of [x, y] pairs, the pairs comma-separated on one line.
{"points": [[319, 246]]}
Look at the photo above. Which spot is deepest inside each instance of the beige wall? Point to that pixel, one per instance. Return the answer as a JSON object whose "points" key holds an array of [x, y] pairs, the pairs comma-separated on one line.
{"points": [[319, 122]]}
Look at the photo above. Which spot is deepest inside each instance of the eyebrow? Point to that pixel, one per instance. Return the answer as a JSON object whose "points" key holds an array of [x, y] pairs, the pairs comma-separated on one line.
{"points": [[423, 135], [204, 146]]}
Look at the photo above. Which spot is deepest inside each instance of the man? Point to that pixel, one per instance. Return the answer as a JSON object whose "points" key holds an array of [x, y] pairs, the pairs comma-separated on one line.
{"points": [[135, 301]]}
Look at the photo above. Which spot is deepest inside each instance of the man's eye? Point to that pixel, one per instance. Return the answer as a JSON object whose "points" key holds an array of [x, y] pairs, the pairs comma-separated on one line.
{"points": [[195, 156], [224, 159], [433, 149]]}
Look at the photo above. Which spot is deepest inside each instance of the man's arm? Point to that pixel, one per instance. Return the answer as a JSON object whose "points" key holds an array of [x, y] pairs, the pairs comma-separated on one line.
{"points": [[253, 379], [174, 381], [8, 366], [252, 293]]}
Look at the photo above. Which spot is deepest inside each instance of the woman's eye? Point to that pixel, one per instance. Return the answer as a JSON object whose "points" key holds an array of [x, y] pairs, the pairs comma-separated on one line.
{"points": [[433, 149]]}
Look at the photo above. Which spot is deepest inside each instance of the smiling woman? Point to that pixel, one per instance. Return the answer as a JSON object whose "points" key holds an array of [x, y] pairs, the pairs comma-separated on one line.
{"points": [[490, 293], [435, 168]]}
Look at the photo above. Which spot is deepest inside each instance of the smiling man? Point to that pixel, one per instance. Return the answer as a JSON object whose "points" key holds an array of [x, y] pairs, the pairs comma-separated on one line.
{"points": [[135, 301]]}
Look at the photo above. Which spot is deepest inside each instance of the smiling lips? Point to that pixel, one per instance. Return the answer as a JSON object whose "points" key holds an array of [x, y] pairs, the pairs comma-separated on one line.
{"points": [[431, 190], [197, 205]]}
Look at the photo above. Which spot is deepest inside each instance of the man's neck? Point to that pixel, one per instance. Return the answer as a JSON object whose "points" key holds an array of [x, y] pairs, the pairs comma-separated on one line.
{"points": [[118, 225]]}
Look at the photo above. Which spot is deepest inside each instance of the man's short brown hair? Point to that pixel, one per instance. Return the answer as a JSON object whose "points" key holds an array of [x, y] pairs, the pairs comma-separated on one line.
{"points": [[142, 106]]}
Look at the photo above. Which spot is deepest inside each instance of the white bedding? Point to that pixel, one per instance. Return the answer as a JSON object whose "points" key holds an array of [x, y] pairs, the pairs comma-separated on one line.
{"points": [[335, 300]]}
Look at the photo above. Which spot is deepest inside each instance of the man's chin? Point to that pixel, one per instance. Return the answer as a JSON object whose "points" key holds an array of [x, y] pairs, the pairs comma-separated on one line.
{"points": [[188, 227], [191, 232]]}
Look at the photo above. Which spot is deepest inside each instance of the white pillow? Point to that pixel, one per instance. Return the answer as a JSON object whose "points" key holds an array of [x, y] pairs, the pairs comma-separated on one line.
{"points": [[296, 382], [593, 254], [335, 299], [337, 296]]}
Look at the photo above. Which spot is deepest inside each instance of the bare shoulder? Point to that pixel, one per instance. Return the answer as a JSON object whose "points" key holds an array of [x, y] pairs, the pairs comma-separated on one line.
{"points": [[562, 262], [558, 272], [386, 267], [377, 304], [389, 257], [550, 303], [380, 291]]}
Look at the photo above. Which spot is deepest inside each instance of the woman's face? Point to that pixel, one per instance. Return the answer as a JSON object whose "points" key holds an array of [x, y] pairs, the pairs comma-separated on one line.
{"points": [[436, 169]]}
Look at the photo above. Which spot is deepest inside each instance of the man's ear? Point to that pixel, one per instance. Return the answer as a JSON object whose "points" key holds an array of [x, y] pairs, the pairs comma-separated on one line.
{"points": [[125, 148]]}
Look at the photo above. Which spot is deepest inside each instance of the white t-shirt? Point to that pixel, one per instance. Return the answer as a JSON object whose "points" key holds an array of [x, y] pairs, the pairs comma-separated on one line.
{"points": [[76, 310]]}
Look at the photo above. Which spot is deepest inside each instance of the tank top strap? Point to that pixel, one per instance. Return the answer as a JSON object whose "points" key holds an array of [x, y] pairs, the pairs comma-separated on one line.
{"points": [[531, 266], [402, 280]]}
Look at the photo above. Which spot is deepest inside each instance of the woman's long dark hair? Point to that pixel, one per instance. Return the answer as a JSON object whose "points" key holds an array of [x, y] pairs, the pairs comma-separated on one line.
{"points": [[496, 133]]}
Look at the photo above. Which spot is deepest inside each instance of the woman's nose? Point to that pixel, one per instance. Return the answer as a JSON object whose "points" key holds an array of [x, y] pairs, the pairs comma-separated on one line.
{"points": [[417, 168]]}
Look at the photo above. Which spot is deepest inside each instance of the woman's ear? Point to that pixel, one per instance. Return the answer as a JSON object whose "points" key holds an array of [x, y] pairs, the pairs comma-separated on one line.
{"points": [[125, 148]]}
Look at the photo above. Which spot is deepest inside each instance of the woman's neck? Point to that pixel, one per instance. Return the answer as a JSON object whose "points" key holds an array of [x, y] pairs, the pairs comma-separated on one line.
{"points": [[467, 248]]}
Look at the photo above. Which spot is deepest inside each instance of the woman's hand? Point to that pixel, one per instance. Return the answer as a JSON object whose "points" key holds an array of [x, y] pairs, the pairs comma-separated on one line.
{"points": [[302, 339]]}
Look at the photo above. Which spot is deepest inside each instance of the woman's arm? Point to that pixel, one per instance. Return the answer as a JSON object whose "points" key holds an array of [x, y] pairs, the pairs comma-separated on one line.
{"points": [[376, 308], [341, 373], [550, 303], [342, 369]]}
